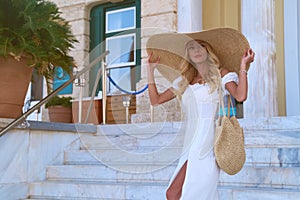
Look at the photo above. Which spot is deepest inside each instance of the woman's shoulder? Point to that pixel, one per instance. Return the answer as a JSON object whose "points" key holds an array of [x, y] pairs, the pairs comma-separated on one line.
{"points": [[228, 76], [223, 72]]}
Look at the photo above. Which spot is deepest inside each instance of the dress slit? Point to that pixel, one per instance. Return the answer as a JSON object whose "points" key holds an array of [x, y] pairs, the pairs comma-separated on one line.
{"points": [[176, 175]]}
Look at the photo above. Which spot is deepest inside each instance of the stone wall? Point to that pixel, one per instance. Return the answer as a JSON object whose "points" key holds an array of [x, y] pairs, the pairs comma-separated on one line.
{"points": [[157, 16], [25, 153]]}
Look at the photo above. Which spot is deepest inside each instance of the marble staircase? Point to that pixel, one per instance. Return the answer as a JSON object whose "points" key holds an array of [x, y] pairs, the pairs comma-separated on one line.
{"points": [[135, 162]]}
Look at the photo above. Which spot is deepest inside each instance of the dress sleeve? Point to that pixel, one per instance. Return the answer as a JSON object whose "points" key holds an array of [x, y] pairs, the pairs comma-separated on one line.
{"points": [[231, 76]]}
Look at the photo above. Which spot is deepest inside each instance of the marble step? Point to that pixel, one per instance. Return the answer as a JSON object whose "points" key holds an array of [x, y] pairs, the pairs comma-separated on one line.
{"points": [[276, 138], [261, 177], [270, 173], [254, 193], [255, 156], [142, 129], [273, 138], [103, 191], [116, 156], [108, 191], [36, 197], [264, 177], [273, 156], [130, 142], [101, 173]]}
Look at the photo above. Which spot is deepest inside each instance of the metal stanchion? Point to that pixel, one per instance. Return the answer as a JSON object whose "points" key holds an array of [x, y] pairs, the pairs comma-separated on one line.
{"points": [[104, 93], [80, 82], [93, 94], [126, 104]]}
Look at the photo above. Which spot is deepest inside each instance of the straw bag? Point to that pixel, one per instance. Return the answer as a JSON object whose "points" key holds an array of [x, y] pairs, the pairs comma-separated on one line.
{"points": [[229, 143]]}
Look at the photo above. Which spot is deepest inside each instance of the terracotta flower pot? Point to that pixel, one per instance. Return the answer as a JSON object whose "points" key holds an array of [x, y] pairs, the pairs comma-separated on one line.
{"points": [[60, 114], [14, 82]]}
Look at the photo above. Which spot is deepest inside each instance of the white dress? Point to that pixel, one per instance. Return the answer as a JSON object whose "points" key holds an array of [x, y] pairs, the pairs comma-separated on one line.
{"points": [[202, 173]]}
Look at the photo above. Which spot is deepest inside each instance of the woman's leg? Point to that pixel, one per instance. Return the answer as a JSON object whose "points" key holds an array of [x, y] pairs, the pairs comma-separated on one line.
{"points": [[174, 191]]}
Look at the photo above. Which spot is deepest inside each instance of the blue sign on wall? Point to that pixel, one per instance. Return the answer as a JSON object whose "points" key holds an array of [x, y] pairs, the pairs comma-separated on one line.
{"points": [[60, 78]]}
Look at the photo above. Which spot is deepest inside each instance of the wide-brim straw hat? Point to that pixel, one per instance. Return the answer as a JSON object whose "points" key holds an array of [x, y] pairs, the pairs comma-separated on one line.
{"points": [[228, 44]]}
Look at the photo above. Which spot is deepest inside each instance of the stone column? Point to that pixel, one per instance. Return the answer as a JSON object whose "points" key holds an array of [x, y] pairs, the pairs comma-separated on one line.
{"points": [[189, 15], [258, 25], [292, 56]]}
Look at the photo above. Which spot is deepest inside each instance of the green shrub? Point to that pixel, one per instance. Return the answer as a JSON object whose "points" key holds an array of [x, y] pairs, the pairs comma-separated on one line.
{"points": [[35, 30], [59, 101]]}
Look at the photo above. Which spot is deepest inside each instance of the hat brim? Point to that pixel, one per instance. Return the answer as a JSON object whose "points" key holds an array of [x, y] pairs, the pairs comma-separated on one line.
{"points": [[228, 44]]}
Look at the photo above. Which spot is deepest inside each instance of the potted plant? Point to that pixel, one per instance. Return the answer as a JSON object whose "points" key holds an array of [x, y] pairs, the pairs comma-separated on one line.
{"points": [[60, 109], [33, 35]]}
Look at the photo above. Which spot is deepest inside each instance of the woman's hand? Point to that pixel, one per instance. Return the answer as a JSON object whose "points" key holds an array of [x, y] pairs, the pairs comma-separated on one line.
{"points": [[155, 97], [152, 65], [247, 58]]}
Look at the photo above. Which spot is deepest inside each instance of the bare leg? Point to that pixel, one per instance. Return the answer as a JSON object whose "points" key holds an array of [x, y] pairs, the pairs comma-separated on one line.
{"points": [[174, 191]]}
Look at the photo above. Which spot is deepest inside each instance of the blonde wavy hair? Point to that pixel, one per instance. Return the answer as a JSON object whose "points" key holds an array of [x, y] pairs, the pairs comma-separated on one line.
{"points": [[211, 75]]}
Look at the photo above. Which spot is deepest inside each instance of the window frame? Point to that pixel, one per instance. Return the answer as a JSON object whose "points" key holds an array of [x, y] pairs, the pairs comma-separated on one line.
{"points": [[120, 10], [98, 35], [121, 64]]}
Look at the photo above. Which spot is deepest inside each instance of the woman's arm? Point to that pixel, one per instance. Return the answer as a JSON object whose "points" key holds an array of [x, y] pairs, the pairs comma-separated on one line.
{"points": [[155, 97], [239, 91]]}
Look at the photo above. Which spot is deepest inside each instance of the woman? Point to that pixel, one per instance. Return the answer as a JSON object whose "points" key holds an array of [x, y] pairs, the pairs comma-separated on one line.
{"points": [[197, 173]]}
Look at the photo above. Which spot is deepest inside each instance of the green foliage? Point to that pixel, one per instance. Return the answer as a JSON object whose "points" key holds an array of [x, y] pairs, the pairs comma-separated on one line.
{"points": [[59, 101], [36, 30]]}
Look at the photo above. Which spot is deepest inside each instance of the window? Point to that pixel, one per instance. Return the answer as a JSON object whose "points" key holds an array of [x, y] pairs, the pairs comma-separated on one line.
{"points": [[122, 50], [120, 20], [116, 25]]}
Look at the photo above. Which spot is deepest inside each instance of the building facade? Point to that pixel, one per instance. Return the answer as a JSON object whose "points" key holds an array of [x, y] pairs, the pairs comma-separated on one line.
{"points": [[271, 26]]}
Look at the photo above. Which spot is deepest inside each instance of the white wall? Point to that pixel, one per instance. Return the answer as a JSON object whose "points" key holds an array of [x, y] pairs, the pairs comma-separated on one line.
{"points": [[26, 153]]}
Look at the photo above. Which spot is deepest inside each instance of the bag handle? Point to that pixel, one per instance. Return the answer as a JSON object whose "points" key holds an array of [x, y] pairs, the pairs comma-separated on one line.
{"points": [[228, 105], [221, 103], [218, 122]]}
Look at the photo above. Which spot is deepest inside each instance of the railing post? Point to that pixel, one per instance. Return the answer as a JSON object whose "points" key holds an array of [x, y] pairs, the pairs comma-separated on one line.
{"points": [[104, 95], [80, 105], [80, 82], [94, 92]]}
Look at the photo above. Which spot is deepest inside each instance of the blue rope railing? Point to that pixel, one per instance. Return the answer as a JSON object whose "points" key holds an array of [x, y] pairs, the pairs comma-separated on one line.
{"points": [[125, 91]]}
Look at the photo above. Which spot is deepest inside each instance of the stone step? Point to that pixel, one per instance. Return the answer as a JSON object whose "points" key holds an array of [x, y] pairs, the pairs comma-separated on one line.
{"points": [[111, 165], [254, 193], [140, 129], [276, 138], [113, 156], [38, 197], [132, 136], [142, 191], [131, 142], [163, 157], [103, 191], [264, 177], [260, 177], [273, 156], [255, 156], [101, 173], [271, 123]]}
